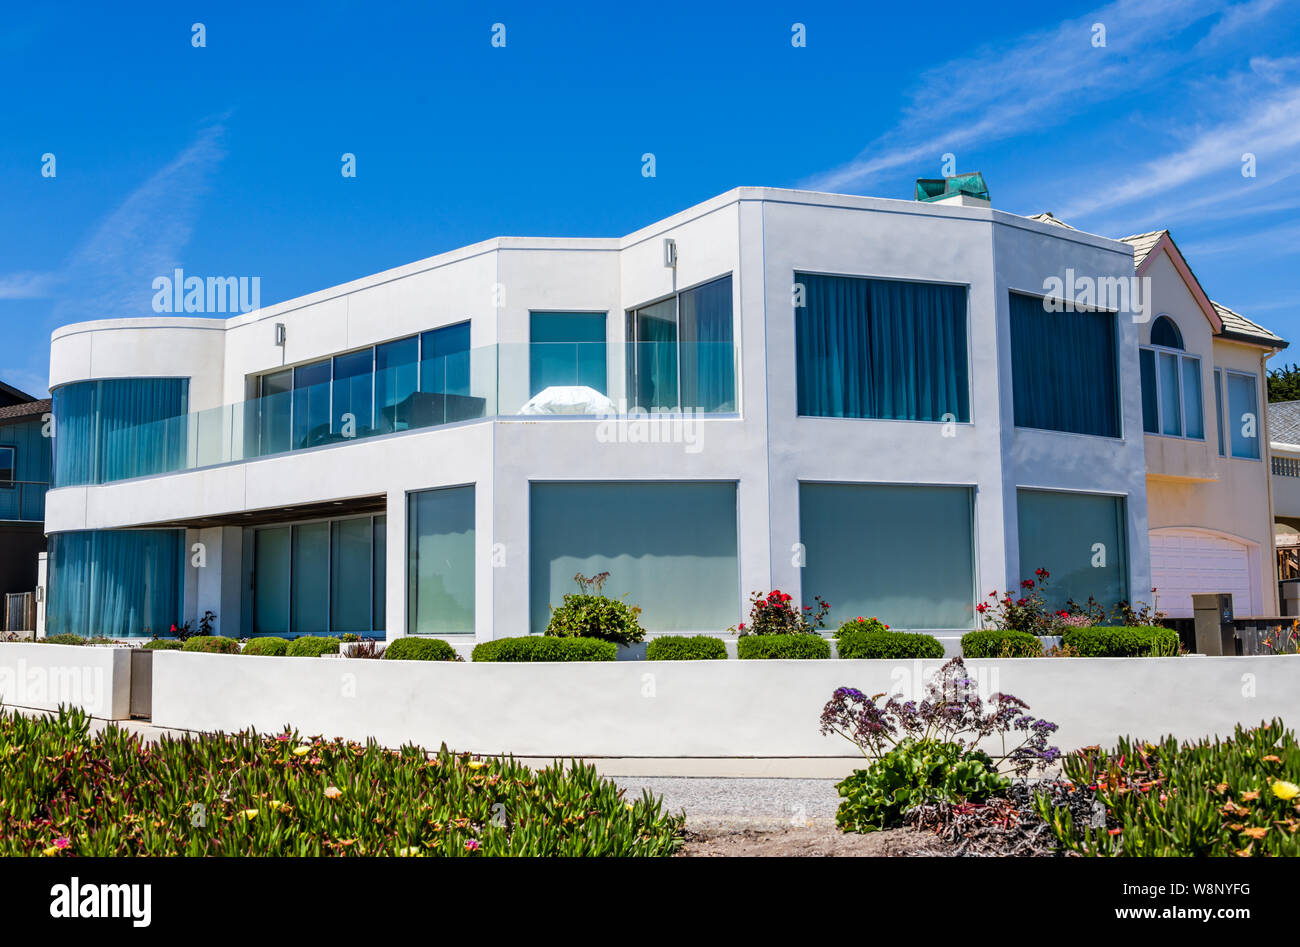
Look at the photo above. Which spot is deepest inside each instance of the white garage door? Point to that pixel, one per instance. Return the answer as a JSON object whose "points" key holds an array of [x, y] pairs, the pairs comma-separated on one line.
{"points": [[1184, 562]]}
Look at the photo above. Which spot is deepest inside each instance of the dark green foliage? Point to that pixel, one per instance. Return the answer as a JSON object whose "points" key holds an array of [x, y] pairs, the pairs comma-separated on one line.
{"points": [[684, 648], [1284, 384], [540, 648], [1196, 799], [765, 647], [271, 646], [887, 644], [110, 795], [913, 773], [861, 624], [63, 639], [163, 644], [420, 649], [1001, 644], [312, 647], [1106, 642], [212, 644]]}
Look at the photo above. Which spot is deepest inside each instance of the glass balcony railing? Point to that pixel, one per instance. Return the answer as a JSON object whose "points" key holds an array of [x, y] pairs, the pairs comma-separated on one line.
{"points": [[23, 500], [497, 381]]}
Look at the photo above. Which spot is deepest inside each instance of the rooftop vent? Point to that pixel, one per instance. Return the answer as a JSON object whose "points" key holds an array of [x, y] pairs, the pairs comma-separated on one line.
{"points": [[967, 189]]}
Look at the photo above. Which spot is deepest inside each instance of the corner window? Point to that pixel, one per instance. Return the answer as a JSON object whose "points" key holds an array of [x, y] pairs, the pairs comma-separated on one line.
{"points": [[1064, 375], [680, 353], [886, 349]]}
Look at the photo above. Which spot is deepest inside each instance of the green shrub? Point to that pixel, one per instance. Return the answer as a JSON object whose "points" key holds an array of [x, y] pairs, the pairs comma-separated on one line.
{"points": [[773, 614], [1198, 799], [761, 647], [270, 646], [420, 649], [65, 638], [888, 644], [535, 648], [164, 644], [861, 624], [686, 648], [212, 644], [312, 647], [588, 614], [913, 773], [1001, 644], [114, 796], [1101, 641]]}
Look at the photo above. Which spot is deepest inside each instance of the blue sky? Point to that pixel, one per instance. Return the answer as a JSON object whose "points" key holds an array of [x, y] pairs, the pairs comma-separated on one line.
{"points": [[225, 160]]}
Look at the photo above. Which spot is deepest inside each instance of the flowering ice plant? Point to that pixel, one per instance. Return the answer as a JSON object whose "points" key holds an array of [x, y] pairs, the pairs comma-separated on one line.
{"points": [[950, 712]]}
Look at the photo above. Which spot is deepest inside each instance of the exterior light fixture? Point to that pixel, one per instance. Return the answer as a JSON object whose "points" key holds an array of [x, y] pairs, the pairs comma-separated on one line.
{"points": [[670, 253], [279, 334]]}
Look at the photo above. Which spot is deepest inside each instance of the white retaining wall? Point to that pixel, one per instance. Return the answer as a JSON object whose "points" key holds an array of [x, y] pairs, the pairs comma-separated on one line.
{"points": [[691, 708], [43, 676]]}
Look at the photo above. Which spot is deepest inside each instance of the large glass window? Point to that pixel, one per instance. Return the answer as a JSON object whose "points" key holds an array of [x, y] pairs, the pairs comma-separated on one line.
{"points": [[904, 554], [680, 351], [274, 411], [397, 379], [116, 583], [668, 547], [566, 349], [445, 362], [118, 428], [1243, 415], [319, 577], [1064, 375], [1171, 385], [352, 409], [311, 404], [1081, 539], [869, 348], [440, 562]]}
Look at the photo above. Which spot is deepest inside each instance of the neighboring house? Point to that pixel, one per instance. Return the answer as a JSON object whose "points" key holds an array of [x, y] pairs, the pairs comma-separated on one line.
{"points": [[24, 478], [1204, 387], [1284, 446], [837, 396]]}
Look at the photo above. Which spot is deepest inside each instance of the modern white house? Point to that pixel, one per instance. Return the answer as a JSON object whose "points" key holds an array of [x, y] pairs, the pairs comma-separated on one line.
{"points": [[860, 399]]}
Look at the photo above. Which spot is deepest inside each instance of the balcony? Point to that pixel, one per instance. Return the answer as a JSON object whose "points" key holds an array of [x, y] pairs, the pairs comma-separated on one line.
{"points": [[22, 501], [509, 380]]}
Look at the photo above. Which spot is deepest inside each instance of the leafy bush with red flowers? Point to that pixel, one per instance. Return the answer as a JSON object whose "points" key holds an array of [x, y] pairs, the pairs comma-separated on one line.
{"points": [[772, 614], [1023, 610], [872, 624]]}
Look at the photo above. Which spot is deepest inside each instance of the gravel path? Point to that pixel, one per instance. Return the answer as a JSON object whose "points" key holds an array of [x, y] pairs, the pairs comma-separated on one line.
{"points": [[741, 803]]}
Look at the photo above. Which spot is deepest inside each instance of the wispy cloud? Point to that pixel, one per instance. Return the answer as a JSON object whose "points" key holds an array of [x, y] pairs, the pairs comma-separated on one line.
{"points": [[1040, 79], [26, 285]]}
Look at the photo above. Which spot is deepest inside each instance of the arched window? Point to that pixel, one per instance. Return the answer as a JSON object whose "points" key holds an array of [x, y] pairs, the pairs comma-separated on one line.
{"points": [[1164, 332]]}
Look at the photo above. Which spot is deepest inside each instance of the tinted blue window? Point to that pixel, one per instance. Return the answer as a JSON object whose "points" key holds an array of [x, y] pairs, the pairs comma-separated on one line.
{"points": [[118, 428], [116, 583]]}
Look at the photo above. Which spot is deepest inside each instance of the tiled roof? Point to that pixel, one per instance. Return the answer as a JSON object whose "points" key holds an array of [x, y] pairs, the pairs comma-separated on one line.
{"points": [[1047, 218], [1234, 323], [1284, 422], [1143, 244], [23, 410]]}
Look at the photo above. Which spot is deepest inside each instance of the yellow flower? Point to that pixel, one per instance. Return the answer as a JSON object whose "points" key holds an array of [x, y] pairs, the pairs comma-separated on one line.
{"points": [[275, 805], [333, 792], [630, 806], [301, 750], [412, 852], [477, 764], [1285, 790], [52, 850], [250, 814]]}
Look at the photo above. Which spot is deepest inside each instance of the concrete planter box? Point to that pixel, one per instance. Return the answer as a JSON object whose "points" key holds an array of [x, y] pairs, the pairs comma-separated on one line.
{"points": [[691, 708], [43, 676]]}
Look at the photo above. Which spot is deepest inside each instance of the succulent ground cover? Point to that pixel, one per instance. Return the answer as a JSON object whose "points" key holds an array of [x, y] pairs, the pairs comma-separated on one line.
{"points": [[64, 792]]}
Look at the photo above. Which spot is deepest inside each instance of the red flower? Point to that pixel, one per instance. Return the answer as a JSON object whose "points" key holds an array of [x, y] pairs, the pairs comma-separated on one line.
{"points": [[1042, 573], [1022, 602], [1027, 584], [981, 607]]}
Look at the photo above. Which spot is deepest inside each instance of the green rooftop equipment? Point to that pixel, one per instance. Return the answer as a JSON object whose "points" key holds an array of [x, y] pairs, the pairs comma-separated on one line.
{"points": [[936, 189]]}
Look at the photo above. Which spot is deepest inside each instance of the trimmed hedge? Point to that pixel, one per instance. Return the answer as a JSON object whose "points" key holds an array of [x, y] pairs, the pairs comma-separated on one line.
{"points": [[271, 646], [765, 647], [164, 644], [1101, 641], [535, 648], [65, 638], [1001, 643], [212, 644], [686, 648], [888, 644], [420, 649], [860, 624], [312, 647]]}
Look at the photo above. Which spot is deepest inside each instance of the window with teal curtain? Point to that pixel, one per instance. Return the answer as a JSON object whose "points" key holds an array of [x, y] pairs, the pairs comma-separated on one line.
{"points": [[116, 583], [707, 354], [272, 572], [1081, 539], [1063, 369], [1243, 415], [351, 575], [379, 582], [310, 600], [888, 349], [668, 547], [652, 356], [440, 562], [118, 428], [903, 554], [567, 348]]}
